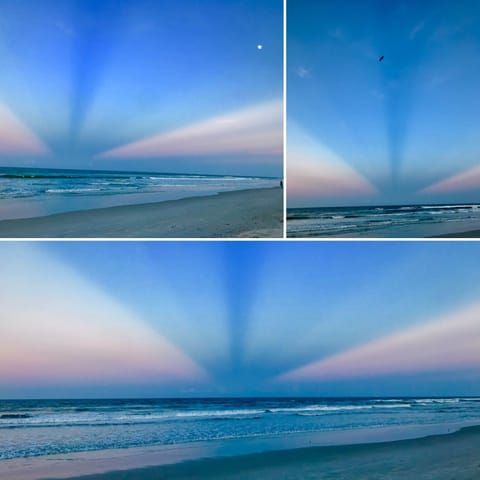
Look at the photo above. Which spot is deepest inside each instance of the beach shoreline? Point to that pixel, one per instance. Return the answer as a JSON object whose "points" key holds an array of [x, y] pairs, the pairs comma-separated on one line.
{"points": [[251, 458], [439, 457], [446, 455], [254, 213], [387, 221]]}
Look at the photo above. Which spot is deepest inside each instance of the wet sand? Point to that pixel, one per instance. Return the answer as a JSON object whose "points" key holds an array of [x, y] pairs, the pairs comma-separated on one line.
{"points": [[255, 213], [468, 234], [439, 457]]}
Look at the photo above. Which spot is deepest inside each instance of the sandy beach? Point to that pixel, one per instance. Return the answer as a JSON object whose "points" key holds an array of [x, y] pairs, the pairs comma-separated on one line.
{"points": [[439, 457], [255, 213], [468, 234]]}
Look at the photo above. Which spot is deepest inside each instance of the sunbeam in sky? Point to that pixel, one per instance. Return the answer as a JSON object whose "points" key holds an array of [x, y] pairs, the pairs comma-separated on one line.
{"points": [[159, 82], [405, 122], [233, 318]]}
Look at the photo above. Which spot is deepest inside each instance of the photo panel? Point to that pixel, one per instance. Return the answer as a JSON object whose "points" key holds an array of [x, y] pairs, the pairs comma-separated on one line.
{"points": [[383, 118], [121, 355], [141, 118]]}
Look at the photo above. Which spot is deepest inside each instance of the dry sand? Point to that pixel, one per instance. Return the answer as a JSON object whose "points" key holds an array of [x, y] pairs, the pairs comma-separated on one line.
{"points": [[256, 213], [440, 457]]}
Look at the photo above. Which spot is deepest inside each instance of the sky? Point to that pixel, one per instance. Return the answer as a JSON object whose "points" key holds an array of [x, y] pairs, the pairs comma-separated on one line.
{"points": [[190, 87], [401, 130], [156, 319]]}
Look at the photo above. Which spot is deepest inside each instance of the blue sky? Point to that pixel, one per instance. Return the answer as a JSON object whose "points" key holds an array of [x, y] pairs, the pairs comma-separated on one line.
{"points": [[402, 130], [239, 318], [86, 83]]}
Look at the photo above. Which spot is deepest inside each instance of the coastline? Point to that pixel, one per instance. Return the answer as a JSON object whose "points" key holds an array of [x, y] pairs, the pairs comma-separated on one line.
{"points": [[254, 213], [350, 454], [385, 221]]}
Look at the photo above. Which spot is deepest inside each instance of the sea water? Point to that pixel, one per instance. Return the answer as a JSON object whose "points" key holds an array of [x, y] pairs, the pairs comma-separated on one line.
{"points": [[40, 427]]}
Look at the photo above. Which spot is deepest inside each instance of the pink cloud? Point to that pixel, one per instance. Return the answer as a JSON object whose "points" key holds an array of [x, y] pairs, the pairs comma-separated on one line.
{"points": [[257, 130], [16, 138], [468, 180], [451, 342], [313, 170], [56, 326]]}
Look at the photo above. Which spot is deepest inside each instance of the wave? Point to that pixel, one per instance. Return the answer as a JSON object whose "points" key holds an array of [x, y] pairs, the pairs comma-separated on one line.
{"points": [[430, 401], [43, 176], [96, 424], [126, 175], [135, 415], [216, 413], [448, 207], [7, 416], [58, 425], [236, 419], [322, 408], [72, 190]]}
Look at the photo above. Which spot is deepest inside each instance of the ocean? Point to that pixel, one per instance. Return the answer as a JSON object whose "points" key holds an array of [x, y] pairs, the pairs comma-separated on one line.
{"points": [[31, 192], [413, 221], [30, 428]]}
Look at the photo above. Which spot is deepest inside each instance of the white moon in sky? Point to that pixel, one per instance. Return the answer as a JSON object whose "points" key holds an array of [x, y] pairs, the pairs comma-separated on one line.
{"points": [[260, 46]]}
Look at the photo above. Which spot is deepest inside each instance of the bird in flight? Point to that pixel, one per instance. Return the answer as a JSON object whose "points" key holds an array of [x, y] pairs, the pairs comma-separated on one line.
{"points": [[381, 58]]}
